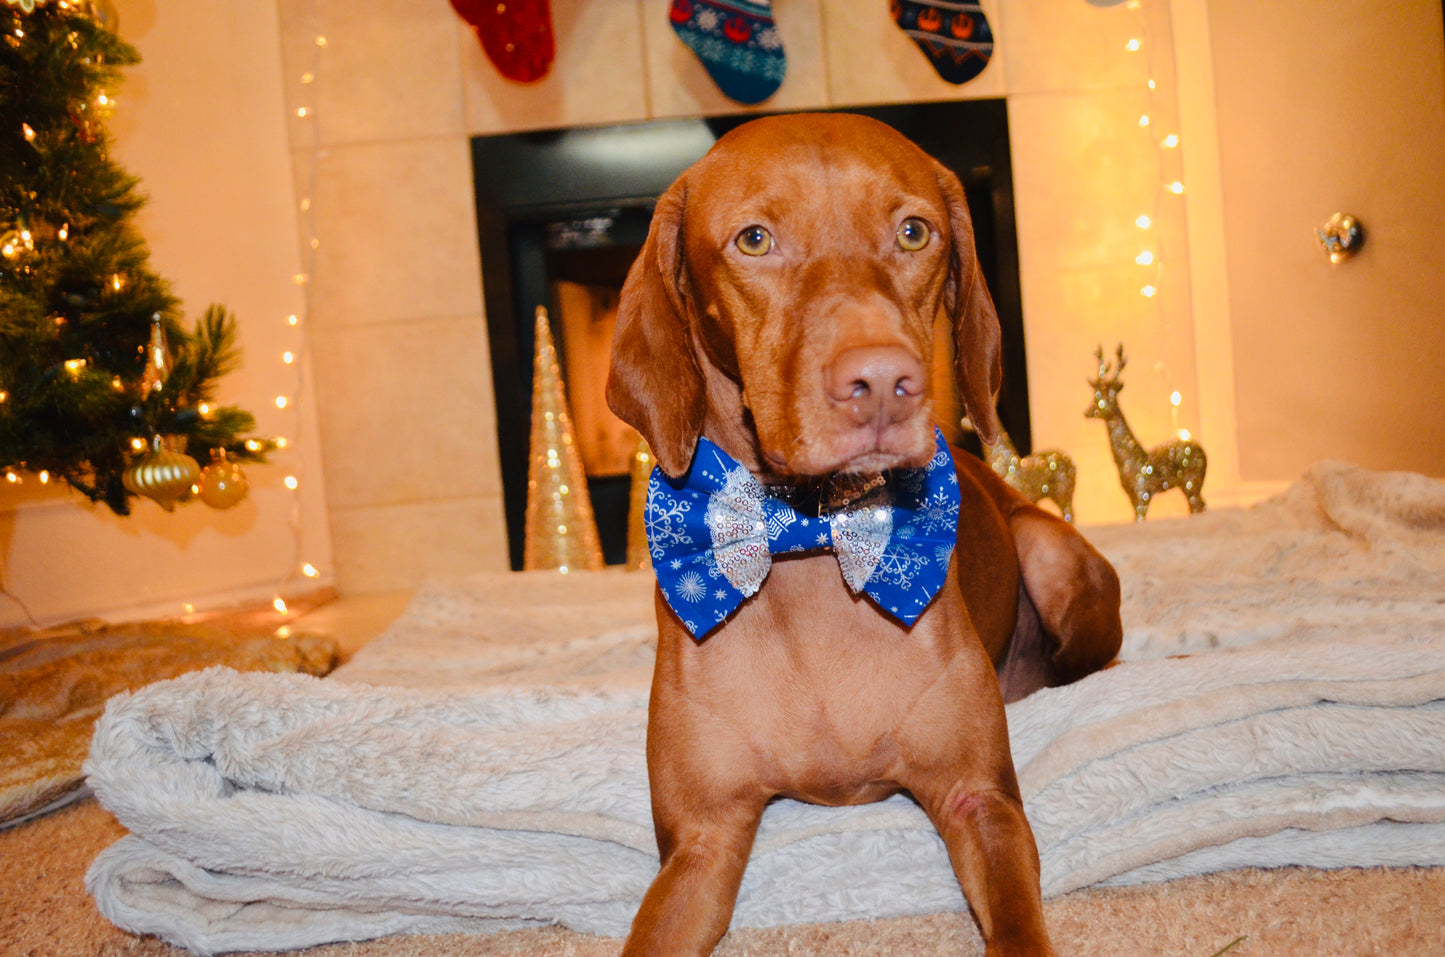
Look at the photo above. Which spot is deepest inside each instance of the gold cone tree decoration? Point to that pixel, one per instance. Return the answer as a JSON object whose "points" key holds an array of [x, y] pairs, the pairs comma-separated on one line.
{"points": [[561, 532], [638, 558]]}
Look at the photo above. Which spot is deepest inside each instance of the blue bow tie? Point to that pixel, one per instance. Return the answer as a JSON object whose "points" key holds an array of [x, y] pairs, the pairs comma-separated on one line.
{"points": [[713, 532]]}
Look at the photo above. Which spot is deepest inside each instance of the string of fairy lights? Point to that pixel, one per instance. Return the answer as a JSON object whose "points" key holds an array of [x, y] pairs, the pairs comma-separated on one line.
{"points": [[1155, 124], [305, 111]]}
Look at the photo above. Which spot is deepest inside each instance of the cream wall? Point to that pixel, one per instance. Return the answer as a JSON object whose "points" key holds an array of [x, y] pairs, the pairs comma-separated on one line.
{"points": [[1317, 115], [201, 123]]}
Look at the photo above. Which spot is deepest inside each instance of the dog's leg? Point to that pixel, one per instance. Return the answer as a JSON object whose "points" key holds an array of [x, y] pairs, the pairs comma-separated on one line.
{"points": [[687, 909], [996, 861], [1074, 589]]}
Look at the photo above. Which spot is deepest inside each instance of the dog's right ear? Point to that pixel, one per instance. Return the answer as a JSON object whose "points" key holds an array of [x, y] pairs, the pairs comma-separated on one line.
{"points": [[655, 384], [977, 339]]}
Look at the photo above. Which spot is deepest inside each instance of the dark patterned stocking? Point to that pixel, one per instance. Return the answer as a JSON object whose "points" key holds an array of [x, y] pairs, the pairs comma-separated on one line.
{"points": [[954, 36]]}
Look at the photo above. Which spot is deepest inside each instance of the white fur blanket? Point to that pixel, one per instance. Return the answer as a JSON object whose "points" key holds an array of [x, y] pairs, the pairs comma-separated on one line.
{"points": [[279, 811]]}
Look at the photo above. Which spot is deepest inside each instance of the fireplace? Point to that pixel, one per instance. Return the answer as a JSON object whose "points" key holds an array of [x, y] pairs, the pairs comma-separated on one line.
{"points": [[561, 215]]}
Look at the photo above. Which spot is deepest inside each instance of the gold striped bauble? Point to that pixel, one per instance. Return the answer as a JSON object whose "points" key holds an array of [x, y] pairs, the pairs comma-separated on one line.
{"points": [[162, 474]]}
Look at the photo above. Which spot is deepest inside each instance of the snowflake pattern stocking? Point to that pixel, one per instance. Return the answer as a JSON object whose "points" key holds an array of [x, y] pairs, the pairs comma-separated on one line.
{"points": [[738, 43]]}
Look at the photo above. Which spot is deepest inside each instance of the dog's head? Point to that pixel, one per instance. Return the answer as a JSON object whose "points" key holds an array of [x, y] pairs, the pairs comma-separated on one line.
{"points": [[787, 294]]}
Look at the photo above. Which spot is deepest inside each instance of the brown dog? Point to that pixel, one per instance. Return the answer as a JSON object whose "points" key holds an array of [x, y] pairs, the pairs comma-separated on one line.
{"points": [[783, 308]]}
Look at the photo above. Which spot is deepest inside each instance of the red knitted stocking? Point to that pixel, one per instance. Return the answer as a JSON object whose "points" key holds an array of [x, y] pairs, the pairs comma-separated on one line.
{"points": [[517, 34]]}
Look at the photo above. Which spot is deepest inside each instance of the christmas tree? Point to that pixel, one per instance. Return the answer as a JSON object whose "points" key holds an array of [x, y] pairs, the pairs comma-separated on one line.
{"points": [[97, 373]]}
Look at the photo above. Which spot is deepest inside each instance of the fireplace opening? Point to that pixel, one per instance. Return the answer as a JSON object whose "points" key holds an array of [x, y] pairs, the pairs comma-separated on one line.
{"points": [[562, 214]]}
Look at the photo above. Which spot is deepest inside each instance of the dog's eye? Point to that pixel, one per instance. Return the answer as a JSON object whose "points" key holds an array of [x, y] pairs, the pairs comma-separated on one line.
{"points": [[913, 234], [755, 241]]}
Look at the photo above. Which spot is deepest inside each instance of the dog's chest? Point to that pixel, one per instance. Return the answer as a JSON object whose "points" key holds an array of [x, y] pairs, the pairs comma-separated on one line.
{"points": [[814, 681]]}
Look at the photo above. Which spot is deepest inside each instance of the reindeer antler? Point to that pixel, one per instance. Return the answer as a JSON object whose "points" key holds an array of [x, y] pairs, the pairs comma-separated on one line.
{"points": [[1106, 374]]}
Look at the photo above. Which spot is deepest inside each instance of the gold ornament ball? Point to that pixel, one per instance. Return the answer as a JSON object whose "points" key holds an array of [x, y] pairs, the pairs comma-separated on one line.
{"points": [[162, 474], [222, 483]]}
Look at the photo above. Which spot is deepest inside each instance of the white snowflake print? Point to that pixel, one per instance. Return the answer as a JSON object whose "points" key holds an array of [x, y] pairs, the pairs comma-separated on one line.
{"points": [[767, 38], [943, 553], [707, 19], [779, 521], [690, 587], [939, 513], [898, 567], [665, 522]]}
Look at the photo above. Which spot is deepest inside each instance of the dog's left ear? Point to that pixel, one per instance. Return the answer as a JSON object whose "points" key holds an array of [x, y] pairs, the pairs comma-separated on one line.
{"points": [[977, 338]]}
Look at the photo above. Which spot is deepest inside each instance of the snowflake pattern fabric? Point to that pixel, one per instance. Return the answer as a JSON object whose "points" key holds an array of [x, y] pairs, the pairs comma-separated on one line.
{"points": [[713, 532], [737, 41]]}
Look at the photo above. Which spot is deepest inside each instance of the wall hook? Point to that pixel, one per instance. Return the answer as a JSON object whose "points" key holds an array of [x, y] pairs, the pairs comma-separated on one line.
{"points": [[1341, 237]]}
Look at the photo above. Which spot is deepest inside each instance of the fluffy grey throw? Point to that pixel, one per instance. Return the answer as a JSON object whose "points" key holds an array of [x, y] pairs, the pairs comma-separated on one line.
{"points": [[279, 811]]}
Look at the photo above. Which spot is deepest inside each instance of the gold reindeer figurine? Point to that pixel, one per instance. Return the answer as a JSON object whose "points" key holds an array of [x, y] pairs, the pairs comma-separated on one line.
{"points": [[1144, 473], [1043, 475]]}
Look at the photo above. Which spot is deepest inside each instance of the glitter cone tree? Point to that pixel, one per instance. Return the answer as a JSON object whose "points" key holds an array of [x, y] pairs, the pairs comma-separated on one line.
{"points": [[561, 531], [79, 397]]}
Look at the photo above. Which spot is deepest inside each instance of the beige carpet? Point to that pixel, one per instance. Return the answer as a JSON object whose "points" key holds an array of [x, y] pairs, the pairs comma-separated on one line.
{"points": [[45, 912], [54, 685]]}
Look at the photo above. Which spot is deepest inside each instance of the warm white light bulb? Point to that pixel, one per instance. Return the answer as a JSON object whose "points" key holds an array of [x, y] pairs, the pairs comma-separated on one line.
{"points": [[1133, 45], [279, 605], [309, 570], [291, 482], [1148, 292], [1171, 141], [1145, 258], [1143, 222], [280, 402], [1175, 187]]}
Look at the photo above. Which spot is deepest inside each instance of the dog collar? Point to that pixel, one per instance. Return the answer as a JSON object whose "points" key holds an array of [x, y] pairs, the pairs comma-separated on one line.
{"points": [[712, 534]]}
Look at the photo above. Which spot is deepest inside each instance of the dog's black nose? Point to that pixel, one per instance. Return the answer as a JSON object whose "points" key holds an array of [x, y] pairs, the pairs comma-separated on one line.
{"points": [[875, 385]]}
